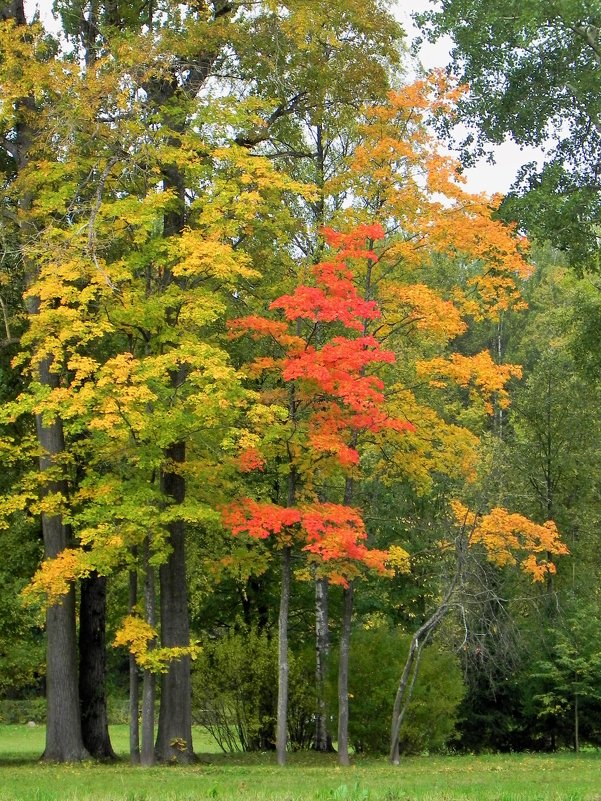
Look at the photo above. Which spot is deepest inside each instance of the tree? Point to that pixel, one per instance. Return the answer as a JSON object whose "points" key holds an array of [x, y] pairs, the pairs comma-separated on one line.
{"points": [[532, 71], [322, 375], [134, 98], [506, 539]]}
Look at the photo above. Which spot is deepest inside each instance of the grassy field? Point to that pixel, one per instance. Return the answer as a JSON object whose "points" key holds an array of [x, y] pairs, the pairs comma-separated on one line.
{"points": [[522, 777]]}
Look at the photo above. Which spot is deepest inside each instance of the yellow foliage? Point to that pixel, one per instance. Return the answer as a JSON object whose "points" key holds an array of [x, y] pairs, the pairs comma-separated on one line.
{"points": [[55, 576], [139, 637], [483, 377], [398, 558]]}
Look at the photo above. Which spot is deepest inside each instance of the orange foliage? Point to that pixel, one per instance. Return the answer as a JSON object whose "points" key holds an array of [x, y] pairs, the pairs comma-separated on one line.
{"points": [[418, 194], [339, 398], [250, 459], [505, 535], [260, 520], [333, 534]]}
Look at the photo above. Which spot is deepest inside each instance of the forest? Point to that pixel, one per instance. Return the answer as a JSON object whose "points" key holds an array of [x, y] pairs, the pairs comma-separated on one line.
{"points": [[299, 435]]}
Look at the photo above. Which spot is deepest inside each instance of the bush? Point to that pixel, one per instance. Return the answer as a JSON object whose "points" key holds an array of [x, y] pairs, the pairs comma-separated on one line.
{"points": [[234, 693], [377, 657], [23, 710]]}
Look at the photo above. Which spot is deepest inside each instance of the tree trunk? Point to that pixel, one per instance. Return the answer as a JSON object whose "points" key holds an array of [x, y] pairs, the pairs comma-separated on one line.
{"points": [[411, 668], [134, 680], [576, 725], [323, 741], [13, 9], [147, 757], [343, 673], [281, 736], [64, 742], [174, 737], [92, 667], [405, 693]]}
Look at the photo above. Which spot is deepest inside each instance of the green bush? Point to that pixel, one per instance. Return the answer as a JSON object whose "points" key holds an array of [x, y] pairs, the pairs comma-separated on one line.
{"points": [[234, 693], [377, 657], [23, 710]]}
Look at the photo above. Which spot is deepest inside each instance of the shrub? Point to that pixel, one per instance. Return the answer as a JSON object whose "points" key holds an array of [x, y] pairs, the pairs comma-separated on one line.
{"points": [[234, 693], [377, 657], [23, 710]]}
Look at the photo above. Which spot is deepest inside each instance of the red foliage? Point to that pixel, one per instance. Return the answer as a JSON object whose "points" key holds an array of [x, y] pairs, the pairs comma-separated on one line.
{"points": [[338, 396], [334, 299], [332, 532], [250, 459], [259, 520], [352, 245], [338, 370]]}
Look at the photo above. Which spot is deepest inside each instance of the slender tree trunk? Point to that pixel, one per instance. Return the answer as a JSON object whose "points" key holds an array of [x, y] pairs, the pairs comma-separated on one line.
{"points": [[345, 634], [343, 674], [134, 680], [404, 694], [281, 737], [323, 741], [174, 737], [576, 725], [92, 667], [411, 668], [147, 756]]}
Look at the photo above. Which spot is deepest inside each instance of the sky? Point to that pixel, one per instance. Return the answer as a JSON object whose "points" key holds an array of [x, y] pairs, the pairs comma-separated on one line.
{"points": [[484, 177], [509, 157]]}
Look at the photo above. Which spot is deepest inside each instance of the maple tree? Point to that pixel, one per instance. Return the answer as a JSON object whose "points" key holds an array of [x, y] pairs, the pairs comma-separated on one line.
{"points": [[396, 174], [331, 396], [105, 319], [126, 229]]}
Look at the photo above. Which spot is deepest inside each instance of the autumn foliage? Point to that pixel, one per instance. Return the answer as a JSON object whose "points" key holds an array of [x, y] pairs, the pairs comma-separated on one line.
{"points": [[334, 398]]}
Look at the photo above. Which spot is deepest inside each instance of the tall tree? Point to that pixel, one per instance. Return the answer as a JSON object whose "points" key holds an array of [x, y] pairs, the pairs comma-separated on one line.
{"points": [[533, 69], [330, 395], [21, 124]]}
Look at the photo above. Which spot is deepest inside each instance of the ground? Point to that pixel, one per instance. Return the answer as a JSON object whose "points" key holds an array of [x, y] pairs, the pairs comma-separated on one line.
{"points": [[309, 777]]}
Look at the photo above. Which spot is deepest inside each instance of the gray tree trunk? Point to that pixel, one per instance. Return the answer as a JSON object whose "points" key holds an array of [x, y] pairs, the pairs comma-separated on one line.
{"points": [[323, 741], [343, 674], [281, 736], [174, 736], [147, 756], [134, 680], [64, 742]]}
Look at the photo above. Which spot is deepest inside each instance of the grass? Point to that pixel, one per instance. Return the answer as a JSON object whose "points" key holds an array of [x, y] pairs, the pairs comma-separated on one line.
{"points": [[308, 777]]}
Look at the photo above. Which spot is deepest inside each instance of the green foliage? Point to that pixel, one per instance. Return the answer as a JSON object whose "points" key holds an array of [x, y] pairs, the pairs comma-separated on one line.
{"points": [[234, 693], [21, 641], [532, 69], [567, 692], [376, 660], [22, 711]]}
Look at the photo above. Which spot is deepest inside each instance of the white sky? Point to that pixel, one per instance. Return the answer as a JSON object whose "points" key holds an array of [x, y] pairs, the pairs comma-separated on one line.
{"points": [[484, 177], [509, 157]]}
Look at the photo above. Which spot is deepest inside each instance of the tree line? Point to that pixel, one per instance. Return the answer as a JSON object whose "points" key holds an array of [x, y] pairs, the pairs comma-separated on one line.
{"points": [[257, 334]]}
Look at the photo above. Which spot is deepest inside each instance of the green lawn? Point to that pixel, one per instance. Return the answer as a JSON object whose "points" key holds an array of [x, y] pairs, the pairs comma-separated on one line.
{"points": [[521, 777]]}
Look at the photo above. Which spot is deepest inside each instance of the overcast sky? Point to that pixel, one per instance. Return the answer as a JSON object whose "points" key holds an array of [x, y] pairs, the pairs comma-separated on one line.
{"points": [[485, 177]]}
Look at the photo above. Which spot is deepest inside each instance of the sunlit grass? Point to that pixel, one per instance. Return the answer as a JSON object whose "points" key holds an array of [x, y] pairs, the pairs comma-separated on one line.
{"points": [[255, 777]]}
